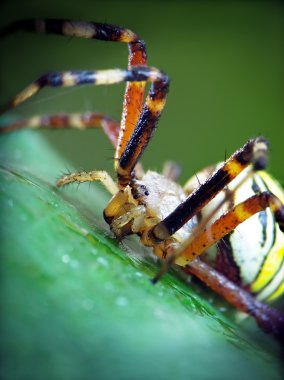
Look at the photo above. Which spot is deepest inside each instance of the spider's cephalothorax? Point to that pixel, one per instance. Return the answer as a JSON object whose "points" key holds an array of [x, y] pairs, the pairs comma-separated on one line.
{"points": [[142, 205], [230, 215]]}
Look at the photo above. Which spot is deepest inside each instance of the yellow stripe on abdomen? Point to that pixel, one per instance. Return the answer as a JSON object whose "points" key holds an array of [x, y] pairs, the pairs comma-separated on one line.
{"points": [[270, 267], [269, 282]]}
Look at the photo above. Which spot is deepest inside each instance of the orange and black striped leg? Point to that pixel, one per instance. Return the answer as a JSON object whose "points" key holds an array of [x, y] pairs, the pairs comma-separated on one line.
{"points": [[145, 126], [226, 223], [63, 121], [133, 97], [77, 78], [134, 94], [268, 319], [149, 116], [203, 238], [253, 152]]}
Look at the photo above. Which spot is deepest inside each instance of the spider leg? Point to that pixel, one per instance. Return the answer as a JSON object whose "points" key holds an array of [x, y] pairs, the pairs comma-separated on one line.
{"points": [[134, 93], [85, 121], [172, 170], [145, 126], [92, 176], [149, 116], [203, 238], [76, 121], [227, 222], [269, 319], [253, 152]]}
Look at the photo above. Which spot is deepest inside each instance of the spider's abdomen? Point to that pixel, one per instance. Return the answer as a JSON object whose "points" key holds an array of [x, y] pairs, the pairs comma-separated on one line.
{"points": [[253, 254]]}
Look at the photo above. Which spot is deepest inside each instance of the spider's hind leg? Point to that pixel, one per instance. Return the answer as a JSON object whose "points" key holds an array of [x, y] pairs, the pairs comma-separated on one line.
{"points": [[269, 319]]}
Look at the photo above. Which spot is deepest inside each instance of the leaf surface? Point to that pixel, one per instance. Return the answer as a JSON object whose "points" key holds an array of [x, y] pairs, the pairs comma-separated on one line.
{"points": [[77, 306]]}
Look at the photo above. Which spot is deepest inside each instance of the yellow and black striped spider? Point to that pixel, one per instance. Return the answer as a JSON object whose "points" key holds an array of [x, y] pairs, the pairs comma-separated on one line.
{"points": [[193, 225]]}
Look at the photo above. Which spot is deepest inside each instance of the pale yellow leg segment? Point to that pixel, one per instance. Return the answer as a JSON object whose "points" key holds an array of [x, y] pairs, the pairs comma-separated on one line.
{"points": [[100, 175]]}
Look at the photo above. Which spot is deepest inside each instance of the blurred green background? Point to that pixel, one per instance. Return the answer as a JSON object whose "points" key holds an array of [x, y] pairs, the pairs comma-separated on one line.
{"points": [[225, 60]]}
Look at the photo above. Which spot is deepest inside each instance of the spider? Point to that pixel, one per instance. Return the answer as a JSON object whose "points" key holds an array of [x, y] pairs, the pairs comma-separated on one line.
{"points": [[192, 226]]}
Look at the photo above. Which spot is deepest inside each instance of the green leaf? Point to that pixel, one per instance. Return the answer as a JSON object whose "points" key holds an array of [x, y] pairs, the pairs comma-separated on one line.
{"points": [[77, 306]]}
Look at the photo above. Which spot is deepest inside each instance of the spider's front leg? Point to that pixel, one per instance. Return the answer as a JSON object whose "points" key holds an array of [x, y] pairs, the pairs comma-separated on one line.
{"points": [[137, 124], [134, 93], [149, 116]]}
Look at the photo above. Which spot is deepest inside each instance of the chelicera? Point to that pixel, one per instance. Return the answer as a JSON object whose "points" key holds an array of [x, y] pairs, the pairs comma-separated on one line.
{"points": [[193, 225]]}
